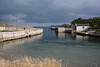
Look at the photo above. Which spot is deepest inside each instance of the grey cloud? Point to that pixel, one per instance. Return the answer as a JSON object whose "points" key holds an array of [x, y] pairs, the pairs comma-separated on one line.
{"points": [[47, 11]]}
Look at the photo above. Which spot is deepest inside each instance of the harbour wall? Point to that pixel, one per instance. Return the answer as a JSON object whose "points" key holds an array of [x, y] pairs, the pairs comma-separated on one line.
{"points": [[12, 28], [62, 29], [4, 36], [70, 30], [88, 34]]}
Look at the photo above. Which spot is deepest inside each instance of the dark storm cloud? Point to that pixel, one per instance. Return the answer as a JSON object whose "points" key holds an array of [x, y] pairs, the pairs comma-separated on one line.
{"points": [[47, 11]]}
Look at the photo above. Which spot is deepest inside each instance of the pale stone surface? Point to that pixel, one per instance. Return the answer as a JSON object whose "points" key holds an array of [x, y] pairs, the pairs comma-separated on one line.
{"points": [[82, 28], [61, 29], [19, 34], [2, 28]]}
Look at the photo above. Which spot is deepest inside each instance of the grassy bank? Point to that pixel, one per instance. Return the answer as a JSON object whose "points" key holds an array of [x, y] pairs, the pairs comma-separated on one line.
{"points": [[7, 31], [31, 62]]}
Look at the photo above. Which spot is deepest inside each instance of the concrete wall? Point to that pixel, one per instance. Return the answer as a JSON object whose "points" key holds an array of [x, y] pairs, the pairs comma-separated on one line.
{"points": [[18, 28], [60, 29], [63, 29], [82, 28], [2, 28], [18, 34], [10, 28]]}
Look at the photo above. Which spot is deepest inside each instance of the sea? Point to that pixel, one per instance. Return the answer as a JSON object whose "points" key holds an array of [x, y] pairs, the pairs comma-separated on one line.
{"points": [[74, 50]]}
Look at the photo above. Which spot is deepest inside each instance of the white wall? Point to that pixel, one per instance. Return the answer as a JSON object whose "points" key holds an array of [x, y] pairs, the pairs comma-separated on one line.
{"points": [[19, 34], [61, 29], [80, 28], [2, 28]]}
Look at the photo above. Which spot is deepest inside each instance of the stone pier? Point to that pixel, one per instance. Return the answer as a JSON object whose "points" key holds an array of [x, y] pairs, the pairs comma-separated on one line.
{"points": [[4, 36], [63, 30]]}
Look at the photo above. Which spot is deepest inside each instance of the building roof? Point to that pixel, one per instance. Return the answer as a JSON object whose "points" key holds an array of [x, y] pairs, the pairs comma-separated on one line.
{"points": [[82, 24]]}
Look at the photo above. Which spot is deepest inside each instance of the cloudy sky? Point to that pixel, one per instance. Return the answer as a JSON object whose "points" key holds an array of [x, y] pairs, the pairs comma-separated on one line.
{"points": [[47, 12]]}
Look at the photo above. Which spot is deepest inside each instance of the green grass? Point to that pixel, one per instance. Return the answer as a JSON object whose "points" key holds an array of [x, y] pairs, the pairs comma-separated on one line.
{"points": [[6, 31]]}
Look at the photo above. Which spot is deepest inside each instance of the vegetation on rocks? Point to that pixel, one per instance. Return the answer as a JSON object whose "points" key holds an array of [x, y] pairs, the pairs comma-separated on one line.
{"points": [[94, 22], [98, 30]]}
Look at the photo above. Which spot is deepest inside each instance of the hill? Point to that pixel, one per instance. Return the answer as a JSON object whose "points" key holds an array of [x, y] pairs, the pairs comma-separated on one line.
{"points": [[94, 22]]}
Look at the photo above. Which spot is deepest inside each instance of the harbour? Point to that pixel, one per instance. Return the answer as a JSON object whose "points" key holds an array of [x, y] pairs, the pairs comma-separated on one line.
{"points": [[5, 36], [74, 50], [49, 33]]}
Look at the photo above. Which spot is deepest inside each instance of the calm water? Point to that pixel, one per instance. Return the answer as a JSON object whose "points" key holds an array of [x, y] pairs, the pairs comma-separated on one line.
{"points": [[74, 50]]}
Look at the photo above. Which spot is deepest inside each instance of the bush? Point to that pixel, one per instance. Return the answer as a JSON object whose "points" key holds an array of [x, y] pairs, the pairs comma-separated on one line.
{"points": [[98, 30]]}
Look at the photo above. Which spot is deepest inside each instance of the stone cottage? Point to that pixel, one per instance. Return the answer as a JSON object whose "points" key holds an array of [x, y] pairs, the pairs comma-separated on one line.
{"points": [[81, 27]]}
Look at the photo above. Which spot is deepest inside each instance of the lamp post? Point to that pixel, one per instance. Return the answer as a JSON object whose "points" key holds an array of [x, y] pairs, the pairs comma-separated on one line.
{"points": [[16, 19], [16, 22]]}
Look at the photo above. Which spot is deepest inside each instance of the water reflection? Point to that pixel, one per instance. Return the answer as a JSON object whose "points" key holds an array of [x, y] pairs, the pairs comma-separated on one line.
{"points": [[77, 37], [8, 44], [65, 35], [88, 38], [75, 50]]}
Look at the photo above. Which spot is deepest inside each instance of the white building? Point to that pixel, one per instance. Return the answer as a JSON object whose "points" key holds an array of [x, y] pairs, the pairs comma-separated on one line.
{"points": [[2, 28], [81, 27]]}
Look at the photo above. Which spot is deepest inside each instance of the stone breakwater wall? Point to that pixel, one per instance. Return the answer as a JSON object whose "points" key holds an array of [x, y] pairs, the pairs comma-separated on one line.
{"points": [[19, 34], [88, 34], [15, 28], [62, 29]]}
